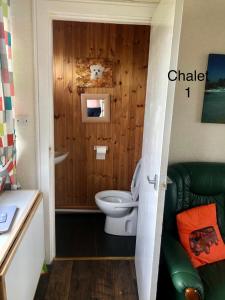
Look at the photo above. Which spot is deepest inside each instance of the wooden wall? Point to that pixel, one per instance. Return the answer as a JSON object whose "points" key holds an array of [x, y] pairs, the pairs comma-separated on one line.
{"points": [[81, 175]]}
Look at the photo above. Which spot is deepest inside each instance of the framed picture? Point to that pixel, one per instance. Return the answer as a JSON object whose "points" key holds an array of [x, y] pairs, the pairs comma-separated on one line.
{"points": [[94, 73], [95, 108], [214, 97]]}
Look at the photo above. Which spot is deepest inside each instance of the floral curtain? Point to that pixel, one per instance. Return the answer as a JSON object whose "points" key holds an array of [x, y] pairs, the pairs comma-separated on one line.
{"points": [[7, 120]]}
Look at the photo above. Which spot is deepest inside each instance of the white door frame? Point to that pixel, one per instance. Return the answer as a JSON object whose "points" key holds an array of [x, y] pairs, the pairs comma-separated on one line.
{"points": [[44, 12]]}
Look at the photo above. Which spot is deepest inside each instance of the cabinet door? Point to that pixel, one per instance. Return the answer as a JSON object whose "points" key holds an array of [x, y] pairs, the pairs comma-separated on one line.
{"points": [[23, 272]]}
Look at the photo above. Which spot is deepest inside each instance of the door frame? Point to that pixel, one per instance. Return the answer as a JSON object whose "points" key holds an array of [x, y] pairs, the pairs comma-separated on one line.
{"points": [[44, 12]]}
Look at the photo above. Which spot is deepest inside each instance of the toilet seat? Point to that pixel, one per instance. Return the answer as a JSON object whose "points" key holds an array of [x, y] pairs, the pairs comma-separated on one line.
{"points": [[114, 196], [136, 181], [117, 196], [115, 203]]}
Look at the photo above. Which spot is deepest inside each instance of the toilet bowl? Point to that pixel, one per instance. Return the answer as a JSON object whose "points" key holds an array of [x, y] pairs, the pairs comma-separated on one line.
{"points": [[121, 207]]}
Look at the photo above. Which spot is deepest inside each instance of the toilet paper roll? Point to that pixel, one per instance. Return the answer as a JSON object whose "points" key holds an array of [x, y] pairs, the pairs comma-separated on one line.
{"points": [[101, 152]]}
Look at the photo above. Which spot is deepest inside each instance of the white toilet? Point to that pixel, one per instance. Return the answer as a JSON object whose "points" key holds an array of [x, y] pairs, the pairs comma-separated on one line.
{"points": [[121, 207]]}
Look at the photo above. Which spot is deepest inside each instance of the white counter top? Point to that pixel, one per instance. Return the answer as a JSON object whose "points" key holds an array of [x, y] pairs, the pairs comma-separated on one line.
{"points": [[23, 200]]}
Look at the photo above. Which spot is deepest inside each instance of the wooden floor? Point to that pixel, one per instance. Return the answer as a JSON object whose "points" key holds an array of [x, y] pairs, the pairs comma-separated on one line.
{"points": [[89, 280]]}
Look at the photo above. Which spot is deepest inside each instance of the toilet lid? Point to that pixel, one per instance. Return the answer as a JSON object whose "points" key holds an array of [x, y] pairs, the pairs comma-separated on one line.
{"points": [[135, 184]]}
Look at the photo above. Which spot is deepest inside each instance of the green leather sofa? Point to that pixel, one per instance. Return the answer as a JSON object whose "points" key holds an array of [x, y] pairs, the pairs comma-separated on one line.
{"points": [[194, 184]]}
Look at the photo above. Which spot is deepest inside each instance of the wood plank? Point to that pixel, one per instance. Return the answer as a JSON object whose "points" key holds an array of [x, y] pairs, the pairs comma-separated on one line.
{"points": [[59, 282], [81, 175], [79, 151], [126, 81], [96, 258], [124, 286], [68, 109], [59, 128], [102, 280], [141, 80], [92, 281], [42, 285]]}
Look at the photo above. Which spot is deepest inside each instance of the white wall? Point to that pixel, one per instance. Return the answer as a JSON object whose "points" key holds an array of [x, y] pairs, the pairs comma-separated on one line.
{"points": [[202, 33], [24, 90]]}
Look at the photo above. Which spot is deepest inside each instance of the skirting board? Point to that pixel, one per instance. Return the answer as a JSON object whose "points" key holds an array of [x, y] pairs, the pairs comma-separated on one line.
{"points": [[94, 258], [71, 211]]}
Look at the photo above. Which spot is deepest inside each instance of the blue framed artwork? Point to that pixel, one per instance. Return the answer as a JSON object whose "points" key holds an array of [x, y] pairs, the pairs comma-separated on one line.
{"points": [[214, 97]]}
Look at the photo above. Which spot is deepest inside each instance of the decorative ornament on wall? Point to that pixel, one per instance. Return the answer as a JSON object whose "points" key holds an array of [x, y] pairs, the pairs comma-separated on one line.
{"points": [[94, 73]]}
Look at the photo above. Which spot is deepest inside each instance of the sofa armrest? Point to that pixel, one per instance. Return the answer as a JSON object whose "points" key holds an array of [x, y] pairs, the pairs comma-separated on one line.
{"points": [[184, 276]]}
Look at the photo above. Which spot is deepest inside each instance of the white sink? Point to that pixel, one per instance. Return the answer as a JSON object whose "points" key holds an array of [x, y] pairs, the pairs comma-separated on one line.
{"points": [[60, 156]]}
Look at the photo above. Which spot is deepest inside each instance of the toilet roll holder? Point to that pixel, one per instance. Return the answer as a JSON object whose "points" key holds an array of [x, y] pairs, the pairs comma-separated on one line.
{"points": [[101, 152]]}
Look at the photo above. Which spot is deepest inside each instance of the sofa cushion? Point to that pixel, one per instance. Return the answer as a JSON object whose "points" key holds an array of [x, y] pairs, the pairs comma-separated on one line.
{"points": [[200, 235]]}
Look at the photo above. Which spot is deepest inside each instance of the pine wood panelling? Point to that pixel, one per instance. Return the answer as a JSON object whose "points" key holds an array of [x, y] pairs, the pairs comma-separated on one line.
{"points": [[80, 176]]}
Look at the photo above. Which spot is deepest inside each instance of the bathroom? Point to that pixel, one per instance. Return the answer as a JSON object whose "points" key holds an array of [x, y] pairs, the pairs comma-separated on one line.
{"points": [[123, 51]]}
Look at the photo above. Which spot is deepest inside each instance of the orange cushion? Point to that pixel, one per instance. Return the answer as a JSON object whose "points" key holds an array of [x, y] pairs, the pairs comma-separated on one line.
{"points": [[200, 235]]}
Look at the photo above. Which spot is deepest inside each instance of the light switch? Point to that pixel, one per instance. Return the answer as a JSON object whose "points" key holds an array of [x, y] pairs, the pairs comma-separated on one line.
{"points": [[22, 120]]}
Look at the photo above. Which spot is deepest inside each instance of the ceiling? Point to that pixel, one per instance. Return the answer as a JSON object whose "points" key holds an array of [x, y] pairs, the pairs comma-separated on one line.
{"points": [[133, 1], [144, 2], [137, 1]]}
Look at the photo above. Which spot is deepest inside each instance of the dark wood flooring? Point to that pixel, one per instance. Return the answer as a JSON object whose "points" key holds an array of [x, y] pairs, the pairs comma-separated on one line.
{"points": [[82, 235], [89, 280]]}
